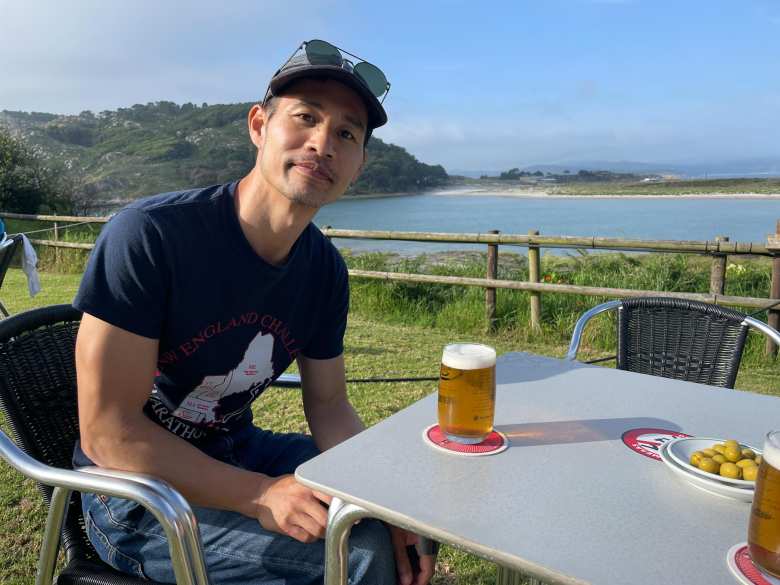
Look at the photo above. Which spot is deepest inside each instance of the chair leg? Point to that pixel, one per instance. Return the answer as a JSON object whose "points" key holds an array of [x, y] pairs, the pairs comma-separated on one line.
{"points": [[511, 577], [51, 536]]}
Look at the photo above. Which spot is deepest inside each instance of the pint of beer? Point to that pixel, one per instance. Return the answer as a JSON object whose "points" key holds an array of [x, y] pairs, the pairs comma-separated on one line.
{"points": [[764, 531], [467, 392]]}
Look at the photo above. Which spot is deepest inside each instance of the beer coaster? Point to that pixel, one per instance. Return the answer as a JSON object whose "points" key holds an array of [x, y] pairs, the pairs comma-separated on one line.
{"points": [[648, 442], [742, 567], [494, 443]]}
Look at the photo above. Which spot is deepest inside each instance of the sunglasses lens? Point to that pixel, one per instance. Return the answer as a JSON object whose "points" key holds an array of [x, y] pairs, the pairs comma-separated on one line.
{"points": [[373, 77], [322, 53]]}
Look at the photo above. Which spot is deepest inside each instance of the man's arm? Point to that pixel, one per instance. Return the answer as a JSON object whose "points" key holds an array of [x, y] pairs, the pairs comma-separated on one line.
{"points": [[332, 419], [330, 415], [115, 371]]}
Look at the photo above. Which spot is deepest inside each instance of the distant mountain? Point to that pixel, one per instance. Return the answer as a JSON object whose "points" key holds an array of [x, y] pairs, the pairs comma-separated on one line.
{"points": [[145, 149]]}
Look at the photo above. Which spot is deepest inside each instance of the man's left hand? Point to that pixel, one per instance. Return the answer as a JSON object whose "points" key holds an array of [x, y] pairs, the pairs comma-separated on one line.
{"points": [[406, 573]]}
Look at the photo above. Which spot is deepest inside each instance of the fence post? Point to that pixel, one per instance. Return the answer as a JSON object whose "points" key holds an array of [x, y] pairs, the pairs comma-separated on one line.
{"points": [[533, 276], [718, 270], [773, 315], [56, 239], [490, 293]]}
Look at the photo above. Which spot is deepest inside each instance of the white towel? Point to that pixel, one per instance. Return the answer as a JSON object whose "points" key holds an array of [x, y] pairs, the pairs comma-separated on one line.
{"points": [[30, 266]]}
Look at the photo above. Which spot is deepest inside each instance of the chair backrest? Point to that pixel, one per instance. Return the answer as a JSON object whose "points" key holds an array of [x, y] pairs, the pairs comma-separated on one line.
{"points": [[681, 339], [7, 251], [38, 398]]}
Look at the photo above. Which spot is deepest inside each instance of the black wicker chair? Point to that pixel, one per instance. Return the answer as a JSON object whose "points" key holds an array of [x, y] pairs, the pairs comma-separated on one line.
{"points": [[677, 338], [38, 399], [7, 250]]}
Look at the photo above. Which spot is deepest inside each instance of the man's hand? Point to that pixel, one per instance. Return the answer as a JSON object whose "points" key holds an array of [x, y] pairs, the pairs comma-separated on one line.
{"points": [[406, 573], [287, 507]]}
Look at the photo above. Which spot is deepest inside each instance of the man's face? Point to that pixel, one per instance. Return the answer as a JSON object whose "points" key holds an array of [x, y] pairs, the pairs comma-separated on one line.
{"points": [[311, 148]]}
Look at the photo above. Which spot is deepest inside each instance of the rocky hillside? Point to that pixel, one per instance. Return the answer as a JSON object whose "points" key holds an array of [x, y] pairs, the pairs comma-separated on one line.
{"points": [[123, 154]]}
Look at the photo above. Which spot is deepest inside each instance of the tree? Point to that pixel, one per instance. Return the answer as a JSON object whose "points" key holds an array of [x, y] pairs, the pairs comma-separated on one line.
{"points": [[27, 185]]}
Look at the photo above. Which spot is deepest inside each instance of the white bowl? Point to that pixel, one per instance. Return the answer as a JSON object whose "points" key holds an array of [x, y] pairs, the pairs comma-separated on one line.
{"points": [[680, 450], [697, 481]]}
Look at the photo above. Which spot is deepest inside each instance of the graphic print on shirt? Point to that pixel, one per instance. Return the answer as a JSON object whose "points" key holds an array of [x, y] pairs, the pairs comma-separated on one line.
{"points": [[203, 405]]}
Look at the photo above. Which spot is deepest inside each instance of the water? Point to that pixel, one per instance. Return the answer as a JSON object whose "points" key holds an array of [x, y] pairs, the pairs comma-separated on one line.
{"points": [[743, 220]]}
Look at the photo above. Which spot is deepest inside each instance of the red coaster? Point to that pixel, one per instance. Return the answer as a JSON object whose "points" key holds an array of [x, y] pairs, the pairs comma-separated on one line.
{"points": [[648, 442], [742, 567], [494, 443]]}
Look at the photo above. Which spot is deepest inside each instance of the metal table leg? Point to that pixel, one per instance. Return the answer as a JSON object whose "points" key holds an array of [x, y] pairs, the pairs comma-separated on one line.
{"points": [[341, 518], [511, 577]]}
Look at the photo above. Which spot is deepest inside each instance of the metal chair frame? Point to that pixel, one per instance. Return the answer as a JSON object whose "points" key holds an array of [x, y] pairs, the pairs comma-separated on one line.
{"points": [[166, 504], [747, 322]]}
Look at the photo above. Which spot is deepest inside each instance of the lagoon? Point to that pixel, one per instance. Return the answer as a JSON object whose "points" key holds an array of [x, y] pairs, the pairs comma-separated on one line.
{"points": [[686, 218]]}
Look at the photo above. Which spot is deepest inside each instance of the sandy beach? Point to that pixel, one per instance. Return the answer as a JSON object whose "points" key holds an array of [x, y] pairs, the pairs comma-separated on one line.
{"points": [[536, 194]]}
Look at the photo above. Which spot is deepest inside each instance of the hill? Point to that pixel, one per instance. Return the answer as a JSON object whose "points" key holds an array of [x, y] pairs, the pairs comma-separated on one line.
{"points": [[119, 155]]}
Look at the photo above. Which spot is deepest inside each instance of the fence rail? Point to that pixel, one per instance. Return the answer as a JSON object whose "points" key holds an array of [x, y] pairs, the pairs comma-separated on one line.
{"points": [[719, 248]]}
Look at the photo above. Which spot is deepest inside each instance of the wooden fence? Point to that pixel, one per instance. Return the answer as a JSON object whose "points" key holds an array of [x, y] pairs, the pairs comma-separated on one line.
{"points": [[719, 249]]}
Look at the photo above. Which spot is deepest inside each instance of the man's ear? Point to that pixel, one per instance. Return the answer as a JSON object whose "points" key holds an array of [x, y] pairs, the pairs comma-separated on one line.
{"points": [[256, 120]]}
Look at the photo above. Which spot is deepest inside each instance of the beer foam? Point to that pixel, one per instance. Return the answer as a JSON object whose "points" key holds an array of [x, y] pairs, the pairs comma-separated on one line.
{"points": [[468, 356], [772, 449]]}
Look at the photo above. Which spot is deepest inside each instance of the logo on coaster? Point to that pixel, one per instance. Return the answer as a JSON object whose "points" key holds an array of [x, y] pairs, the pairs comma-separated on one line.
{"points": [[743, 568], [494, 443], [648, 442]]}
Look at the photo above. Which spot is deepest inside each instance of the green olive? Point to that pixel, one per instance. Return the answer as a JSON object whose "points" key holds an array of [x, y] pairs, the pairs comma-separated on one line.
{"points": [[720, 459], [748, 454], [708, 465], [733, 454], [708, 452], [730, 470], [750, 472], [758, 459], [732, 443], [743, 463], [719, 448], [696, 456]]}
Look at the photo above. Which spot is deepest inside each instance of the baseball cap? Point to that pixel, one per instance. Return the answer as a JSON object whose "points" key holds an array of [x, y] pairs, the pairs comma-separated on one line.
{"points": [[320, 59]]}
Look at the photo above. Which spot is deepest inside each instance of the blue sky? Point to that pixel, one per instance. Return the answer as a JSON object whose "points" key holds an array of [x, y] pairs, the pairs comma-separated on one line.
{"points": [[475, 86]]}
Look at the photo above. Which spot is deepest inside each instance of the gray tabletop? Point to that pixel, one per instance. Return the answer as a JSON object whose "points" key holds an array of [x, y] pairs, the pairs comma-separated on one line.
{"points": [[568, 501]]}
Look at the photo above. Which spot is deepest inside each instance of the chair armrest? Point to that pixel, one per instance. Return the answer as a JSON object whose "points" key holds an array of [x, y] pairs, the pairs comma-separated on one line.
{"points": [[166, 504], [764, 328], [576, 336]]}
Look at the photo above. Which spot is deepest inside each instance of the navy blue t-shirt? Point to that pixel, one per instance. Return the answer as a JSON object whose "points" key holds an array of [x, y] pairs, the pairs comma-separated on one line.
{"points": [[176, 267]]}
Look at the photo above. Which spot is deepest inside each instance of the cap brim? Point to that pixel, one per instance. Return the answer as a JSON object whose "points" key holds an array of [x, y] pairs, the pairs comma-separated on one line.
{"points": [[376, 113]]}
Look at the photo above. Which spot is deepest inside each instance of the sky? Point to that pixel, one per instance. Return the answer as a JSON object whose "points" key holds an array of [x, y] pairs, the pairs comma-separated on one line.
{"points": [[475, 86]]}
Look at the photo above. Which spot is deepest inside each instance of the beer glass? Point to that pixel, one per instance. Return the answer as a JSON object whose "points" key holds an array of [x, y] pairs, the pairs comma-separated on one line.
{"points": [[764, 530], [467, 392]]}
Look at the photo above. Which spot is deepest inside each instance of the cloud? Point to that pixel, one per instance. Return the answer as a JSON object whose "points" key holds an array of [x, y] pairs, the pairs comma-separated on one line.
{"points": [[88, 54]]}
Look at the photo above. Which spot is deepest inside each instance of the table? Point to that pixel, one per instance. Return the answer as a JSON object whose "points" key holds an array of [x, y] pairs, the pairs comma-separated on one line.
{"points": [[568, 502]]}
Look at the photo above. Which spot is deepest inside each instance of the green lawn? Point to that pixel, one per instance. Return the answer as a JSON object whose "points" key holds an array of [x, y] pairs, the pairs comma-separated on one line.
{"points": [[373, 348]]}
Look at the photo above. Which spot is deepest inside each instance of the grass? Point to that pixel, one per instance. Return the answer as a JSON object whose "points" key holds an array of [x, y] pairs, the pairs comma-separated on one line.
{"points": [[398, 329], [461, 310]]}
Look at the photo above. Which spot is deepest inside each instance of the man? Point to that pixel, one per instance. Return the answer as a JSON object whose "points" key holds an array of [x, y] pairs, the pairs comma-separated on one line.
{"points": [[194, 302]]}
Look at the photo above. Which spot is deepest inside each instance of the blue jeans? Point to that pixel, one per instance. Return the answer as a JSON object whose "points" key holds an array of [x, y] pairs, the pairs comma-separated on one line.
{"points": [[237, 550]]}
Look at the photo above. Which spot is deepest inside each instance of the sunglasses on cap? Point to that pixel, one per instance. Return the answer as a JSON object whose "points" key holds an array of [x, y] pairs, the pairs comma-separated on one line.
{"points": [[318, 52]]}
